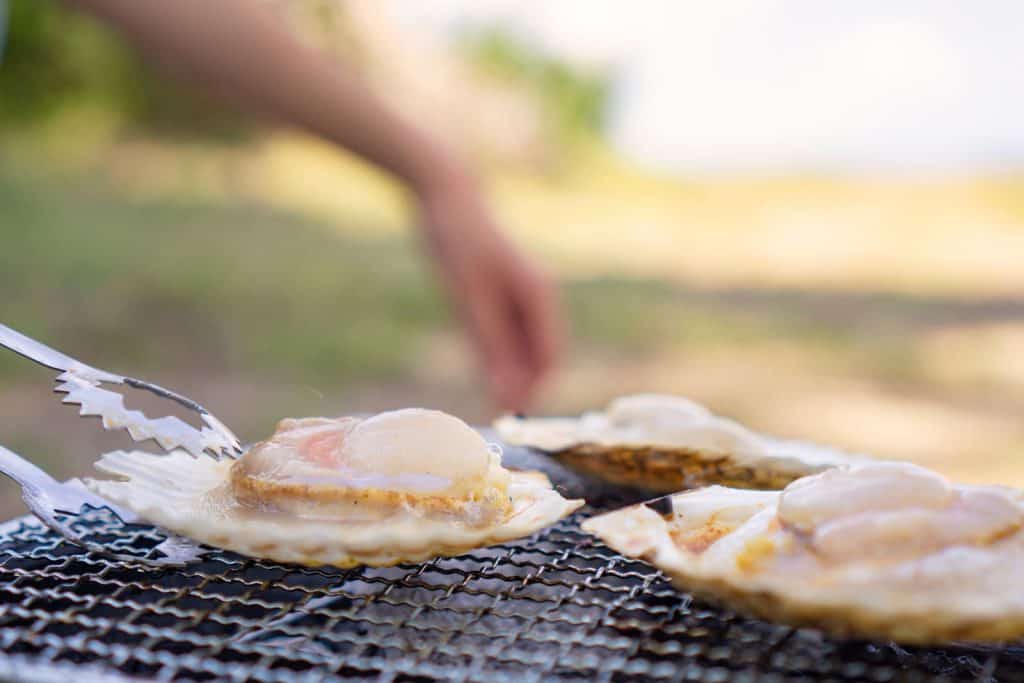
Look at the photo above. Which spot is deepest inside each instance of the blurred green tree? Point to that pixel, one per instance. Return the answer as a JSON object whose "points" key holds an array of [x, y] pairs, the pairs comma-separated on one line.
{"points": [[574, 100], [55, 58]]}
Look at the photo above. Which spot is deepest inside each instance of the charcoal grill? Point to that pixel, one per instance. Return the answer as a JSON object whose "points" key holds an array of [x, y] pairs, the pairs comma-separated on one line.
{"points": [[557, 606]]}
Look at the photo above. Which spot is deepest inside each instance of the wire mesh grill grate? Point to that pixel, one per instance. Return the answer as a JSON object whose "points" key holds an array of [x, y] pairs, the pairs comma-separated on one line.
{"points": [[559, 606]]}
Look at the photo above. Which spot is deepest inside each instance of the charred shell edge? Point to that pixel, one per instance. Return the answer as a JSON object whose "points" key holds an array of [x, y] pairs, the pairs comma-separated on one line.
{"points": [[666, 470]]}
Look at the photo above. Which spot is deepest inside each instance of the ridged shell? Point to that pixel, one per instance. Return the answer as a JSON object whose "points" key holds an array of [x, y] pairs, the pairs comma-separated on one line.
{"points": [[984, 601], [188, 496], [662, 467]]}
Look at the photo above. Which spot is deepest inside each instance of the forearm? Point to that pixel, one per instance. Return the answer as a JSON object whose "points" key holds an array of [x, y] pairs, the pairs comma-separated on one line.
{"points": [[240, 48]]}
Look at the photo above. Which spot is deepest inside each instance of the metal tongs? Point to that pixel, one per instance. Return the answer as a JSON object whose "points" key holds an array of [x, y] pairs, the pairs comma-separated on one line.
{"points": [[53, 502]]}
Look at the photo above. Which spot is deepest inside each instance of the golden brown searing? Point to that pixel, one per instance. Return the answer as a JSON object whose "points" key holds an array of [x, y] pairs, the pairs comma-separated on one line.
{"points": [[406, 485], [886, 550], [669, 443]]}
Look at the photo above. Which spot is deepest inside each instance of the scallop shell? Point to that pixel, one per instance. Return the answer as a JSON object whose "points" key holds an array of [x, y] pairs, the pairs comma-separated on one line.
{"points": [[700, 449], [733, 547], [191, 497]]}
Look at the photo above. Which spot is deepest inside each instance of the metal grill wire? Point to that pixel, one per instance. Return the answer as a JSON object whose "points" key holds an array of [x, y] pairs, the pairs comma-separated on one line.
{"points": [[558, 606]]}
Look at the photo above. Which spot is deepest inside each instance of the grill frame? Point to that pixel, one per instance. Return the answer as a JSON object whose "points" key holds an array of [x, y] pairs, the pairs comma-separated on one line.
{"points": [[557, 606]]}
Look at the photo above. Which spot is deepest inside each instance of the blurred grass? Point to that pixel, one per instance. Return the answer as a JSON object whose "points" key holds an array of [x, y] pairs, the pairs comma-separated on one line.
{"points": [[139, 282], [283, 295]]}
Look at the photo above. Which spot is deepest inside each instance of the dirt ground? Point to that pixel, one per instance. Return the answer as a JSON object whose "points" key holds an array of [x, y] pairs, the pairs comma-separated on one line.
{"points": [[973, 435]]}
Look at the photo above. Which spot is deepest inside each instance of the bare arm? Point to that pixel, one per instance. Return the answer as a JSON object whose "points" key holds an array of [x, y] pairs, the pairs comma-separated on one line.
{"points": [[238, 48]]}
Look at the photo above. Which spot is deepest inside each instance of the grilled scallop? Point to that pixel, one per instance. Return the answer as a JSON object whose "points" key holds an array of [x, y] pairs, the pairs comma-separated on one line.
{"points": [[669, 443], [883, 551], [399, 486]]}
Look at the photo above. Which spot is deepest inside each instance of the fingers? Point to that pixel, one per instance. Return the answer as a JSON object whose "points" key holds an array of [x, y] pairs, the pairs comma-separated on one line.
{"points": [[542, 322], [498, 339], [532, 325], [510, 309]]}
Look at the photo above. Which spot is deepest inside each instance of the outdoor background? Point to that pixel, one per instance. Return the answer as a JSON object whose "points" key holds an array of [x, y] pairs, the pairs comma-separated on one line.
{"points": [[809, 219]]}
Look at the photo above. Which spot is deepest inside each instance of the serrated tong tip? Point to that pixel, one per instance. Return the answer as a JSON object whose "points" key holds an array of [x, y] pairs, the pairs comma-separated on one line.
{"points": [[80, 384]]}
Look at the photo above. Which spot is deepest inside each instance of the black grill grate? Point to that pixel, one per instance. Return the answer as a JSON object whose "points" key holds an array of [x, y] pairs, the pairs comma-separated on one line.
{"points": [[559, 606]]}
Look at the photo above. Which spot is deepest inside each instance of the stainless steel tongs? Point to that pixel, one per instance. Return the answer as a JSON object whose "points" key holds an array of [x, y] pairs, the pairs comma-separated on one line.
{"points": [[81, 384], [52, 501]]}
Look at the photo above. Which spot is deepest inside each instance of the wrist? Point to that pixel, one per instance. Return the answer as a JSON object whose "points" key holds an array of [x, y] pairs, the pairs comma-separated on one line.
{"points": [[435, 171]]}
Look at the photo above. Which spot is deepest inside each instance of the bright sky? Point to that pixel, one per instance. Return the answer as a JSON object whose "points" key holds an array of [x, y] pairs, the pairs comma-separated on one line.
{"points": [[756, 85]]}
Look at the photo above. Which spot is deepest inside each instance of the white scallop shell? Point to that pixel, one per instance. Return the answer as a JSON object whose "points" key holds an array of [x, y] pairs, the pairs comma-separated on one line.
{"points": [[189, 497], [731, 546], [666, 443]]}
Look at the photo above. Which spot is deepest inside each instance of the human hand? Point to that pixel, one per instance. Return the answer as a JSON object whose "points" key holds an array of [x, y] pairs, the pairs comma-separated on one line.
{"points": [[509, 307]]}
